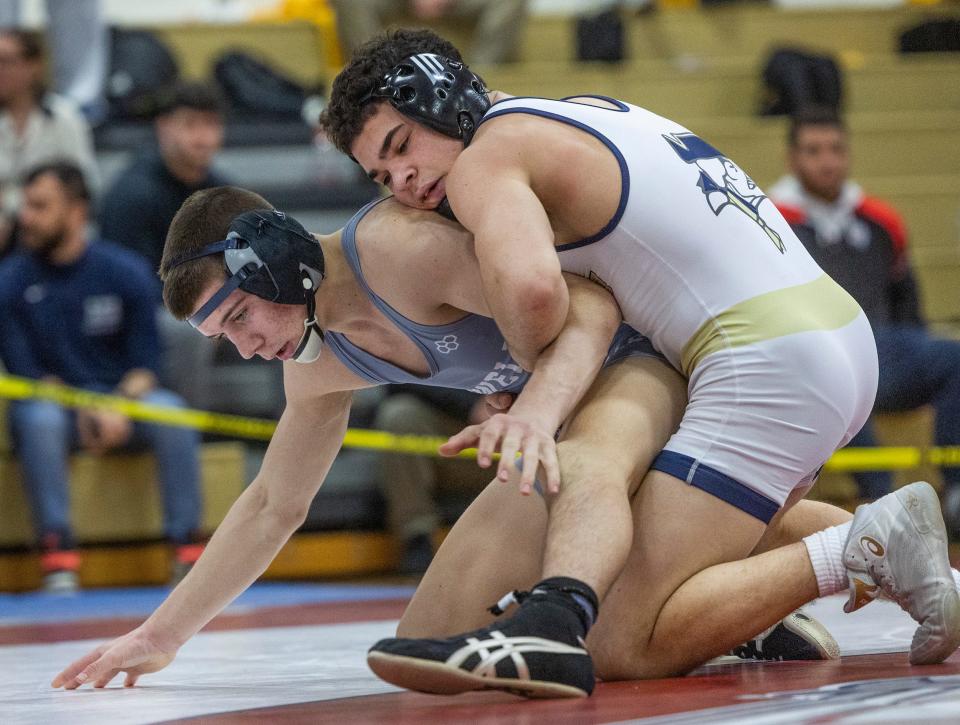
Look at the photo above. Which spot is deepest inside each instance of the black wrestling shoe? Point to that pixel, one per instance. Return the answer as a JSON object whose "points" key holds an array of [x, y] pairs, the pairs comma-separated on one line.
{"points": [[538, 652], [796, 637]]}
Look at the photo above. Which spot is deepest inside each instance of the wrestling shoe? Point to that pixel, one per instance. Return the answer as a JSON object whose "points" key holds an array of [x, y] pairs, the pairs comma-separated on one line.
{"points": [[898, 546], [538, 652], [797, 636]]}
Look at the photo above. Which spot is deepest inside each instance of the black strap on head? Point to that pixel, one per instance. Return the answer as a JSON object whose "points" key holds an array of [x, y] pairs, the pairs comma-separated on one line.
{"points": [[440, 93], [267, 254]]}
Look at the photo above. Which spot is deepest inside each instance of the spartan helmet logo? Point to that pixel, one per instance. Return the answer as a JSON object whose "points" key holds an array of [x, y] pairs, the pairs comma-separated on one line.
{"points": [[722, 182]]}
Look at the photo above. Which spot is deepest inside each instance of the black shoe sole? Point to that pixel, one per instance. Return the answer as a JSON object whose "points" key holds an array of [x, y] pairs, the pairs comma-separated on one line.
{"points": [[438, 678]]}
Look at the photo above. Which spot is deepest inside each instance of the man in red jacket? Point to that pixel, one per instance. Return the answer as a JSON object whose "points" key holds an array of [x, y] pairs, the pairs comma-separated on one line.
{"points": [[861, 242]]}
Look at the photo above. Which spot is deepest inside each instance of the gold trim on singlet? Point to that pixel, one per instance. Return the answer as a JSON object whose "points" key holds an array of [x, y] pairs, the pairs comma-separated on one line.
{"points": [[818, 305]]}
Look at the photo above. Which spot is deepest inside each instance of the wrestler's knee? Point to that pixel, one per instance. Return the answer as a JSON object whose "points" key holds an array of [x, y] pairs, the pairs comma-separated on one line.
{"points": [[622, 660], [583, 464]]}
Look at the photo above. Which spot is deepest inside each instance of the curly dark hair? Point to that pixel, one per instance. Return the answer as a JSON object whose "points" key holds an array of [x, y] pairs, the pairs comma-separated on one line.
{"points": [[349, 107]]}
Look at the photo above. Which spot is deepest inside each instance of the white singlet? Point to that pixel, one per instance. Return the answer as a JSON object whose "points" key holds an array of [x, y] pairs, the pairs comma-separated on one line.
{"points": [[781, 361]]}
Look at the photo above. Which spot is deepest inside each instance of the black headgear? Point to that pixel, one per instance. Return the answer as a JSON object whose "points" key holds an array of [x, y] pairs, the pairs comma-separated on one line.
{"points": [[272, 256], [440, 93]]}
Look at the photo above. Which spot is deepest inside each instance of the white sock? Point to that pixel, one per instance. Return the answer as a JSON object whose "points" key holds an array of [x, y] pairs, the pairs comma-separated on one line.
{"points": [[826, 554]]}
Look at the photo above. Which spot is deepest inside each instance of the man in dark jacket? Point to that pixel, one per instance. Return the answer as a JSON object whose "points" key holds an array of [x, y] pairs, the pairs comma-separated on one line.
{"points": [[83, 312]]}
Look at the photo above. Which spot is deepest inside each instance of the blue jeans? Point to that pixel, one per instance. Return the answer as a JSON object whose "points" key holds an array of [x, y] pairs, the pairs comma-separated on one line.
{"points": [[44, 434], [915, 369]]}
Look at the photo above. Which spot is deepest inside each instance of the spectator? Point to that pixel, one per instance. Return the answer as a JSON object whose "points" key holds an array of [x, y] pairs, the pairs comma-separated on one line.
{"points": [[862, 243], [79, 45], [35, 126], [410, 484], [83, 312], [498, 24], [143, 199]]}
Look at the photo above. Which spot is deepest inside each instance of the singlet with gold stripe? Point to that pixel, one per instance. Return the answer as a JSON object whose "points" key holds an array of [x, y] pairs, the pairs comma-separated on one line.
{"points": [[697, 256]]}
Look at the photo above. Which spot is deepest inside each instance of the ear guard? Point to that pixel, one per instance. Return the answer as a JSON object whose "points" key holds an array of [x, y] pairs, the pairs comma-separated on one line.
{"points": [[440, 93], [272, 256]]}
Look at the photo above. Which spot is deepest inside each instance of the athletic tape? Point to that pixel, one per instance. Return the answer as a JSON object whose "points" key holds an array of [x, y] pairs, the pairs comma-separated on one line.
{"points": [[17, 388]]}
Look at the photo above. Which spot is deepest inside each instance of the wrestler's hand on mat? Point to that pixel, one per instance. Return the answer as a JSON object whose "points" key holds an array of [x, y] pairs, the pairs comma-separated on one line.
{"points": [[510, 434], [134, 653]]}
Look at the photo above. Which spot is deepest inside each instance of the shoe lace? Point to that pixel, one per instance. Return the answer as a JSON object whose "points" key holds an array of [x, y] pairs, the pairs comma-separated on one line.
{"points": [[887, 583], [514, 597]]}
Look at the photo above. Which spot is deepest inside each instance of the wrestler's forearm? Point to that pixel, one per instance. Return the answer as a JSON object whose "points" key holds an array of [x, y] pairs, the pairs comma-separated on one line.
{"points": [[514, 245], [258, 524], [243, 546], [530, 314], [566, 369]]}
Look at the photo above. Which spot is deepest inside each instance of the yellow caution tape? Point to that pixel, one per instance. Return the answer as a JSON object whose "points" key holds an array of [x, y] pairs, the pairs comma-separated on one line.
{"points": [[875, 459], [17, 388]]}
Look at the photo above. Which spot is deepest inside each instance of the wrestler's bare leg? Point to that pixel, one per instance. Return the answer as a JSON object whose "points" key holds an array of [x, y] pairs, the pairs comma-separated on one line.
{"points": [[792, 523], [497, 544]]}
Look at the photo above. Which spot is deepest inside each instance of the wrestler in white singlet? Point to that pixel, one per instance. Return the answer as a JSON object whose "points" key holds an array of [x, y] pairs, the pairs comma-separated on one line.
{"points": [[781, 360]]}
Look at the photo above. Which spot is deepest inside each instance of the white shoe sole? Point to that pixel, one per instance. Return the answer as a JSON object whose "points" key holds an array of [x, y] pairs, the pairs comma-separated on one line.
{"points": [[816, 634], [438, 678]]}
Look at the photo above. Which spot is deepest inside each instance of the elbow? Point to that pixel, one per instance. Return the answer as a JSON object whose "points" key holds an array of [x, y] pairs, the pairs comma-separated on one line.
{"points": [[546, 300], [282, 516], [289, 516]]}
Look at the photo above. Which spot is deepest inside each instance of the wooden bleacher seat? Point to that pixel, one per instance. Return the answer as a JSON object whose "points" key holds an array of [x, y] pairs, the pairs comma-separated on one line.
{"points": [[115, 501], [293, 48], [736, 29], [115, 498]]}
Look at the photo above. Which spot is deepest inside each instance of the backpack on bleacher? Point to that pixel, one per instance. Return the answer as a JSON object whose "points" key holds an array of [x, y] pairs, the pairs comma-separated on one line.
{"points": [[600, 36], [794, 79], [932, 36], [255, 89], [142, 68]]}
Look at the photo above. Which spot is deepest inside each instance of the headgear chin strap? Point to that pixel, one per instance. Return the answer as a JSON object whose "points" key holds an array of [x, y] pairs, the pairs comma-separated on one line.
{"points": [[311, 344], [440, 93], [272, 256]]}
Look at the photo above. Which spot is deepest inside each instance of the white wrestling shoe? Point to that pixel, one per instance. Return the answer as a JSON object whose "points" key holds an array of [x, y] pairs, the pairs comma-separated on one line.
{"points": [[898, 547]]}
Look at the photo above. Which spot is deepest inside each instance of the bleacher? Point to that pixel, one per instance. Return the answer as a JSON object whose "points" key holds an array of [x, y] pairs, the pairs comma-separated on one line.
{"points": [[699, 66]]}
